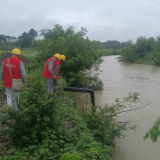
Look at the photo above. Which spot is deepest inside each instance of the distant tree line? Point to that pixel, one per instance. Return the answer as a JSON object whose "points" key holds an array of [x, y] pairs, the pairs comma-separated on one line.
{"points": [[23, 41], [7, 42], [144, 50], [111, 44], [4, 38]]}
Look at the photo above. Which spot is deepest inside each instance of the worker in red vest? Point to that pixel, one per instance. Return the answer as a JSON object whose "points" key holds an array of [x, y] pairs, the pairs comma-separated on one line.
{"points": [[18, 72], [49, 72], [57, 70]]}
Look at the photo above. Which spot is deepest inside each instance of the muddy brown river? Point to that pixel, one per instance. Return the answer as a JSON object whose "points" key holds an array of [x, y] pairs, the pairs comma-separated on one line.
{"points": [[120, 79]]}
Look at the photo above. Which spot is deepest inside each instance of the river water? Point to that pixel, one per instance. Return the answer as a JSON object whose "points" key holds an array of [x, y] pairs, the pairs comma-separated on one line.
{"points": [[119, 79]]}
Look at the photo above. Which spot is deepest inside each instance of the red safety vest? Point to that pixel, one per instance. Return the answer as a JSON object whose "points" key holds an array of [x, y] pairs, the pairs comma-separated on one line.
{"points": [[46, 72], [15, 69], [58, 62]]}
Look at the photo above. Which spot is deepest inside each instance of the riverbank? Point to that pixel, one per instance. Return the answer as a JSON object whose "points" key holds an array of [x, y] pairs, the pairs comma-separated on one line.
{"points": [[147, 60], [55, 127], [145, 51]]}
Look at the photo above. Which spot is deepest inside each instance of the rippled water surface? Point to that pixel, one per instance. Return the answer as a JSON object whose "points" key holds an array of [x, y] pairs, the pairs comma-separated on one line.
{"points": [[120, 79]]}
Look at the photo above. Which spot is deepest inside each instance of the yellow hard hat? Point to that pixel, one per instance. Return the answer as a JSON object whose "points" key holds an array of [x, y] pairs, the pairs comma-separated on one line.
{"points": [[63, 57], [17, 51], [57, 55]]}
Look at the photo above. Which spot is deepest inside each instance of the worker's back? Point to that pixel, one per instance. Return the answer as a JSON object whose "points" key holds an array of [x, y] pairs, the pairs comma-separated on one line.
{"points": [[15, 69]]}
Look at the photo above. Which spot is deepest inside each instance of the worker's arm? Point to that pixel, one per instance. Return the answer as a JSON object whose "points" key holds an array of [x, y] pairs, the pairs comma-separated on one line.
{"points": [[50, 68], [2, 72], [57, 69], [23, 73]]}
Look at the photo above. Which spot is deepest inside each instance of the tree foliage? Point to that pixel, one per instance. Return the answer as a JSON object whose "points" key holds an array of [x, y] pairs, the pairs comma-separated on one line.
{"points": [[25, 40], [146, 49], [54, 128], [4, 38], [7, 45], [111, 44], [79, 51], [154, 131], [156, 54]]}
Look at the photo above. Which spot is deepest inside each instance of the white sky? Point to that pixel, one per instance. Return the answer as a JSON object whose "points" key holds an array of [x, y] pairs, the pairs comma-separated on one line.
{"points": [[104, 19]]}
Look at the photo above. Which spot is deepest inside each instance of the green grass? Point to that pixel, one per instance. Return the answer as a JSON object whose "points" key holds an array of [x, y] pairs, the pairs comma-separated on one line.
{"points": [[1, 85], [25, 51], [108, 52], [144, 61]]}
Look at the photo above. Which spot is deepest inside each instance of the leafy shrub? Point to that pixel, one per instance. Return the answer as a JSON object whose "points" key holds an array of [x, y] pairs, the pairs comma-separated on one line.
{"points": [[156, 54], [5, 46], [79, 51], [44, 128], [141, 51], [53, 127], [153, 133]]}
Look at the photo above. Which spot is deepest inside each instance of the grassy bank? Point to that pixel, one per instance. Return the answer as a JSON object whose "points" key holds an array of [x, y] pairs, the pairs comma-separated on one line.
{"points": [[25, 51], [108, 52], [144, 61], [147, 59], [55, 128]]}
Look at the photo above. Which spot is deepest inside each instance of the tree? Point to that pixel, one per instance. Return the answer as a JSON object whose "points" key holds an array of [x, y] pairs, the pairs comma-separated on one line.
{"points": [[33, 32], [25, 40], [154, 132], [156, 54], [80, 53], [158, 38], [128, 54], [141, 50], [2, 37], [110, 44]]}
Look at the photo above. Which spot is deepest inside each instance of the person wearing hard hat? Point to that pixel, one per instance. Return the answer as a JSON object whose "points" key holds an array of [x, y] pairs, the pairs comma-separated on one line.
{"points": [[49, 72], [57, 70], [18, 72]]}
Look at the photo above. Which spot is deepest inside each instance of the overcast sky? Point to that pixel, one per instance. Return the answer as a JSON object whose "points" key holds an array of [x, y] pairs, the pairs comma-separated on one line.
{"points": [[104, 19]]}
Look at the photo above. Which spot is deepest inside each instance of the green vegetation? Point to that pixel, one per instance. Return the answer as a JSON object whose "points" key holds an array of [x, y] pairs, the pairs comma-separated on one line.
{"points": [[5, 46], [55, 128], [82, 66], [1, 84], [25, 40], [111, 44], [7, 43], [108, 52], [25, 51], [4, 38], [145, 50], [153, 133]]}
